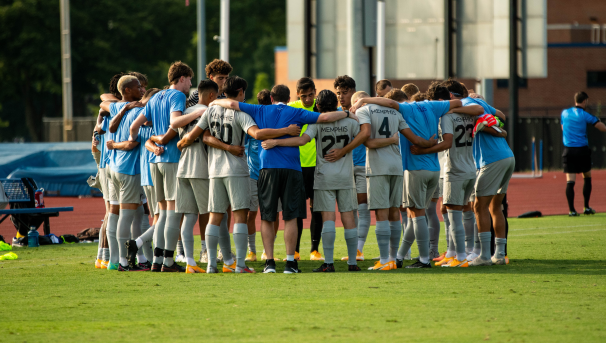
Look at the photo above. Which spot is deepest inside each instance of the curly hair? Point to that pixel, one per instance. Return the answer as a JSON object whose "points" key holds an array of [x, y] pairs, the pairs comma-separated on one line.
{"points": [[456, 88], [420, 96], [327, 101], [344, 81], [177, 70], [437, 91], [218, 66], [113, 85], [263, 97], [396, 95]]}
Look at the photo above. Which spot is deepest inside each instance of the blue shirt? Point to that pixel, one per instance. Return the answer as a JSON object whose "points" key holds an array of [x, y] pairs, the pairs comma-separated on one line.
{"points": [[158, 110], [278, 117], [145, 156], [251, 148], [405, 151], [122, 161], [486, 147], [423, 118], [102, 139], [574, 126]]}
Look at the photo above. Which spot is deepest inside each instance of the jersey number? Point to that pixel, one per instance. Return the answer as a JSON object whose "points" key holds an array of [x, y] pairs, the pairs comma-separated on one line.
{"points": [[384, 129], [331, 141], [459, 140], [221, 131]]}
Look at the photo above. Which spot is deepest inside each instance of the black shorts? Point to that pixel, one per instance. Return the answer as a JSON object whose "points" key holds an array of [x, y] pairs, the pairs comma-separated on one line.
{"points": [[576, 160], [309, 174], [286, 185]]}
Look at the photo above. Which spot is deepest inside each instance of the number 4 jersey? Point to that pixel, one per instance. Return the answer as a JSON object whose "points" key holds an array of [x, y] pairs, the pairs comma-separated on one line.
{"points": [[329, 136], [459, 163], [384, 122], [229, 127]]}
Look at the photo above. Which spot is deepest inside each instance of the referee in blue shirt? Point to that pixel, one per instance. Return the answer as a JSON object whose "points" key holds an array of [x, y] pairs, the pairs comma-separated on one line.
{"points": [[577, 155]]}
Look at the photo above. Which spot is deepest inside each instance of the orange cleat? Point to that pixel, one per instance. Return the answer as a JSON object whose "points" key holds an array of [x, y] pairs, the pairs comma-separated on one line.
{"points": [[193, 270], [440, 258]]}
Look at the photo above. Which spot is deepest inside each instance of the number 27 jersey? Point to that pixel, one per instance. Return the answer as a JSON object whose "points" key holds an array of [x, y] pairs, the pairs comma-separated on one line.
{"points": [[459, 164], [384, 122]]}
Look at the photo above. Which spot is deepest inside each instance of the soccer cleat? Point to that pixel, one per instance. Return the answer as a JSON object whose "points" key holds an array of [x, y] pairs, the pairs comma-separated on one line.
{"points": [[181, 258], [419, 264], [506, 259], [144, 266], [219, 256], [229, 268], [245, 270], [316, 256], [297, 257], [175, 268], [203, 257], [113, 266], [399, 263], [130, 269], [479, 261], [458, 264], [20, 241], [291, 267], [270, 266], [391, 265], [433, 254], [131, 252], [193, 270], [251, 257], [439, 258], [445, 260], [573, 214], [98, 264], [408, 256], [263, 256], [498, 260], [588, 211], [104, 264], [156, 267], [472, 256], [353, 268], [325, 268], [211, 270], [359, 257]]}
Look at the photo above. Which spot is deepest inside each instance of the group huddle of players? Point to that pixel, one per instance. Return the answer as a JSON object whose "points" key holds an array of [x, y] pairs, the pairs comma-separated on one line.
{"points": [[215, 159]]}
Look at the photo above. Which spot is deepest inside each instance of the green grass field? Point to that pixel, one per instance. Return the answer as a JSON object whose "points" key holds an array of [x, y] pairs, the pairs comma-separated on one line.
{"points": [[554, 289]]}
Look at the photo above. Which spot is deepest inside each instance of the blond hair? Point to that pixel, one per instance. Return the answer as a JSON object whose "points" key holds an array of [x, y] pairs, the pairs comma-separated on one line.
{"points": [[410, 89], [124, 82], [359, 95]]}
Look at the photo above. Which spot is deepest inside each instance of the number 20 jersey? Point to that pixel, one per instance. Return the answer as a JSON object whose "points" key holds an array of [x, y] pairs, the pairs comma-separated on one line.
{"points": [[459, 164], [229, 127], [384, 122], [333, 175]]}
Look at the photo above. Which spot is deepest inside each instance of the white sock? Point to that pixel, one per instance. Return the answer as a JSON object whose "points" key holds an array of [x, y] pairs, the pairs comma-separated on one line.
{"points": [[123, 261], [230, 262], [139, 242], [290, 257], [141, 258], [191, 261]]}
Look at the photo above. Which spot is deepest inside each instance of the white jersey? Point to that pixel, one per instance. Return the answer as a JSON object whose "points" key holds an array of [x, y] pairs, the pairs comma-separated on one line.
{"points": [[193, 163], [459, 164]]}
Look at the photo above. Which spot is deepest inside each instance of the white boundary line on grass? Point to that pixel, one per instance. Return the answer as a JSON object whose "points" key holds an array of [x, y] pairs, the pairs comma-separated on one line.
{"points": [[556, 227], [554, 233]]}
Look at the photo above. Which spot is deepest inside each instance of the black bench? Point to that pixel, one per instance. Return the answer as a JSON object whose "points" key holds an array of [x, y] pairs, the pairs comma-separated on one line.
{"points": [[20, 193]]}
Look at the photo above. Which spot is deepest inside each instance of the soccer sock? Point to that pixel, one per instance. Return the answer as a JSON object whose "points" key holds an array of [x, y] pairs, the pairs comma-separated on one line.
{"points": [[125, 223], [171, 235], [407, 239], [485, 245], [351, 239], [187, 236], [468, 220], [458, 233], [252, 242], [383, 233], [101, 237], [212, 239], [290, 258], [105, 254], [328, 240], [394, 239], [447, 230], [135, 228], [146, 237], [500, 249], [225, 242], [159, 238], [317, 229], [401, 253], [240, 240], [477, 247], [422, 237], [363, 225], [203, 245], [433, 223], [180, 250], [570, 195], [299, 233], [112, 229], [586, 190]]}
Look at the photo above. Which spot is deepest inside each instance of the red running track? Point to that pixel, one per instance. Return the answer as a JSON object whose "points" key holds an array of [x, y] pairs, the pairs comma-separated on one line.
{"points": [[546, 195]]}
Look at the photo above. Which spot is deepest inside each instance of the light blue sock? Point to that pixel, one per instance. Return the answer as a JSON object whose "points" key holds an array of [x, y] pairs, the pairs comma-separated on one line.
{"points": [[159, 235], [499, 251], [187, 236], [351, 239], [485, 244], [111, 231], [433, 225], [447, 230], [328, 240], [225, 241], [363, 225], [407, 239], [240, 241], [395, 229], [212, 240], [468, 221], [383, 233], [458, 233], [422, 237]]}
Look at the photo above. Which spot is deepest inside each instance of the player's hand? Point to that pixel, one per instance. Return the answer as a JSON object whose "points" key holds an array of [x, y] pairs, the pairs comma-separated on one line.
{"points": [[395, 139], [158, 150], [334, 155], [475, 95], [269, 143], [236, 150], [130, 138], [110, 145], [357, 105], [95, 142], [293, 130], [133, 104], [103, 113], [182, 144], [433, 141], [353, 116], [415, 150]]}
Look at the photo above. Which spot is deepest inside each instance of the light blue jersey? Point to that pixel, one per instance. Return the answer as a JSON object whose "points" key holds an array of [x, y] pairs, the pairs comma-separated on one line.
{"points": [[145, 156], [486, 147], [423, 118], [251, 148], [574, 126], [158, 110], [122, 161], [102, 140]]}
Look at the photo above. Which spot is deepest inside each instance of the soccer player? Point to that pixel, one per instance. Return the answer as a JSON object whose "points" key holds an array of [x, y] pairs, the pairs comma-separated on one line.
{"points": [[334, 181], [281, 177], [383, 87], [384, 171], [396, 95], [577, 155], [163, 110], [346, 87], [423, 172], [410, 89], [217, 71], [306, 91]]}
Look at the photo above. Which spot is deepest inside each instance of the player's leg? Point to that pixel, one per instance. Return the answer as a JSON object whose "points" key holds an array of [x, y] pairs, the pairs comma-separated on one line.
{"points": [[173, 219], [407, 196], [447, 228], [379, 201], [294, 206], [130, 197], [496, 212], [269, 185], [238, 191], [251, 221], [350, 231], [218, 204], [456, 194], [147, 231], [191, 201], [468, 222], [587, 193], [316, 223], [570, 182], [112, 223], [325, 203], [433, 222], [363, 213], [158, 238], [395, 225], [421, 185]]}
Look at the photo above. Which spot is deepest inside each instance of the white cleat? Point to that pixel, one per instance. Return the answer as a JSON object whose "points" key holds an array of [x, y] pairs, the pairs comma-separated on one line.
{"points": [[479, 261], [498, 260], [472, 256]]}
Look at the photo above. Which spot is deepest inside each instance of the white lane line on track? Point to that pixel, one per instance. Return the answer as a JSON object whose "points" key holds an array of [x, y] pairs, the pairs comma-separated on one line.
{"points": [[554, 233], [556, 227]]}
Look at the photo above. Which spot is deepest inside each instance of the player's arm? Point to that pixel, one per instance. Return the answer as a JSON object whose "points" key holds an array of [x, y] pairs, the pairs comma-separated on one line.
{"points": [[109, 97], [600, 126], [214, 142], [153, 148], [335, 154], [416, 140], [136, 125], [497, 132], [444, 145], [376, 143], [263, 134], [471, 110], [115, 122], [178, 119], [500, 114], [98, 125], [189, 138], [126, 145], [376, 101], [330, 117], [165, 138], [294, 141], [226, 103]]}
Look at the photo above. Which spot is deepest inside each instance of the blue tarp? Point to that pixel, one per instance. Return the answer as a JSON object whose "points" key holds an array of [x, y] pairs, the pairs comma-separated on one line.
{"points": [[62, 167]]}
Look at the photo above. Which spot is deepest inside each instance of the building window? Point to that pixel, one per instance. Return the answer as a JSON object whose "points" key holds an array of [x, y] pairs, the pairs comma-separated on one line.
{"points": [[596, 79], [504, 83]]}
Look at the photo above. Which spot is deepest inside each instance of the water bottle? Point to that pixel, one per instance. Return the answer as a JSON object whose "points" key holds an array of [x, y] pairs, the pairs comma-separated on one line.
{"points": [[33, 238]]}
